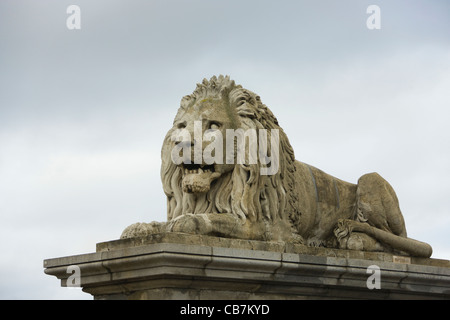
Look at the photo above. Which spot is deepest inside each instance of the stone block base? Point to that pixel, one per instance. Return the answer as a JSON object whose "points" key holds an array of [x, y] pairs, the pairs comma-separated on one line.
{"points": [[182, 266]]}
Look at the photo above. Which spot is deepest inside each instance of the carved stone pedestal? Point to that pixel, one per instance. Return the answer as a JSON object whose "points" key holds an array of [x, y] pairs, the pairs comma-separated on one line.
{"points": [[181, 266]]}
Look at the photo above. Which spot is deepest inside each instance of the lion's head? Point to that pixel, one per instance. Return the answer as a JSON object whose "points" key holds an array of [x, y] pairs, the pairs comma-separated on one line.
{"points": [[226, 185]]}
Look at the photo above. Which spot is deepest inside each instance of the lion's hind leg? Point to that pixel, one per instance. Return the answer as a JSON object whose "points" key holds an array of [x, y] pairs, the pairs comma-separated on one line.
{"points": [[374, 239], [378, 223], [377, 204], [349, 238]]}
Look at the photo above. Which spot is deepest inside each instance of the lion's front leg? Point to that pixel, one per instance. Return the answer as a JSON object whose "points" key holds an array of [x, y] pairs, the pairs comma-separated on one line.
{"points": [[213, 224], [190, 223], [143, 229]]}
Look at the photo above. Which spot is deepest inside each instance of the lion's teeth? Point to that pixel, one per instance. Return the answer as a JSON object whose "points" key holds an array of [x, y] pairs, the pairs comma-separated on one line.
{"points": [[197, 171]]}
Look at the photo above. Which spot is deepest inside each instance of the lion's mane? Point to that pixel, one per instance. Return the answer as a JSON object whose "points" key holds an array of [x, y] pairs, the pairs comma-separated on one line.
{"points": [[243, 191]]}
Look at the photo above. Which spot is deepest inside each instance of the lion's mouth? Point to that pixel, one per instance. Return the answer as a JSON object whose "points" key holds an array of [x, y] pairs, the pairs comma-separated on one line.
{"points": [[197, 168], [198, 178]]}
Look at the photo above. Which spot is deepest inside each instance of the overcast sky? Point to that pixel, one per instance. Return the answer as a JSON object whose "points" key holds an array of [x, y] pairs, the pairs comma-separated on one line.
{"points": [[83, 112]]}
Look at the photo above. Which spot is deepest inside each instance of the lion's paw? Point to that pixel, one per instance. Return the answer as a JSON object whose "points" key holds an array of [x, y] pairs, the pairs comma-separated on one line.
{"points": [[142, 229], [343, 231], [191, 223], [345, 227], [316, 242], [355, 242], [350, 235]]}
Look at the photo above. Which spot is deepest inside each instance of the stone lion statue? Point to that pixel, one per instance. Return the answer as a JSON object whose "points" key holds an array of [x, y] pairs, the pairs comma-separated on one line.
{"points": [[295, 203]]}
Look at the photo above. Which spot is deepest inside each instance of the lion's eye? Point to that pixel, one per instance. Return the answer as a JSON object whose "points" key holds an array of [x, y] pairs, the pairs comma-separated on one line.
{"points": [[214, 125], [181, 125], [241, 102]]}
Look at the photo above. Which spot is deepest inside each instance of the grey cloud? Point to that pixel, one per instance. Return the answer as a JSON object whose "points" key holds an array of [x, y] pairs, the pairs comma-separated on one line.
{"points": [[83, 113]]}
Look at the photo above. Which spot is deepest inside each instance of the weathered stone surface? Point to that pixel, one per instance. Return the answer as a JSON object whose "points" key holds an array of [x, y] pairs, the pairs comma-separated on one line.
{"points": [[203, 267], [274, 228], [274, 246], [260, 192]]}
